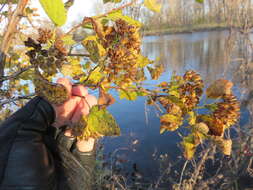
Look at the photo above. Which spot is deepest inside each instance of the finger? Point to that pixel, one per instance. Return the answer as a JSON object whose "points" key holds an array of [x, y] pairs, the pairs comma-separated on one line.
{"points": [[65, 82], [91, 100], [86, 145], [81, 109], [79, 90], [66, 111]]}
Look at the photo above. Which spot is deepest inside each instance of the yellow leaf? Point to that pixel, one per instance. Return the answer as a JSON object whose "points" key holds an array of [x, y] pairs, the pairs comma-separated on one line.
{"points": [[95, 49], [162, 130], [55, 11], [189, 147], [153, 5], [94, 78], [219, 88], [142, 61], [118, 15], [170, 122], [192, 118], [72, 69], [129, 95], [68, 40]]}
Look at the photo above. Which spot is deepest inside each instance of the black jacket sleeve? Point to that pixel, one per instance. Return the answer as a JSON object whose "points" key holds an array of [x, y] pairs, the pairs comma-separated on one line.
{"points": [[29, 161], [25, 163]]}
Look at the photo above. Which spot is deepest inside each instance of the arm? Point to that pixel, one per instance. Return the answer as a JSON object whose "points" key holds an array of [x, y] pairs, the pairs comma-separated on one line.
{"points": [[25, 162]]}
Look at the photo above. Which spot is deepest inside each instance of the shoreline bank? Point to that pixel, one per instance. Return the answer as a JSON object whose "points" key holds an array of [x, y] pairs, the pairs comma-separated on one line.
{"points": [[185, 30]]}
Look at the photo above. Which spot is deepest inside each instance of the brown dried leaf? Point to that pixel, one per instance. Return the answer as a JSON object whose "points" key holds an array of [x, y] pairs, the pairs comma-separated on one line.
{"points": [[105, 99], [219, 88], [225, 145]]}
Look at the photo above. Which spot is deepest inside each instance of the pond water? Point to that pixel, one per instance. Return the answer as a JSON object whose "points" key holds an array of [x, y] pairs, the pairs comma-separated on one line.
{"points": [[205, 52]]}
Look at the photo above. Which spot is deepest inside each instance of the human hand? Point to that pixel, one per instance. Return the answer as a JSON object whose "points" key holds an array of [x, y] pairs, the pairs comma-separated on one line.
{"points": [[72, 110]]}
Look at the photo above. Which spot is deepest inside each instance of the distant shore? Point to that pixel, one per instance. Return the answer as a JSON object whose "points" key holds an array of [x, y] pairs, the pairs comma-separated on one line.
{"points": [[185, 29]]}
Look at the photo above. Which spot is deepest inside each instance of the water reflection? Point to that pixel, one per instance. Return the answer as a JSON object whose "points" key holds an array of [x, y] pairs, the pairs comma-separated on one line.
{"points": [[205, 52]]}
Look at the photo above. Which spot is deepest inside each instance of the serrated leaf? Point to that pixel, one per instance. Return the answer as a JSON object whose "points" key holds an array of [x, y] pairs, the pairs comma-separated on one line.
{"points": [[118, 15], [100, 121], [219, 88], [55, 10], [129, 95], [153, 5]]}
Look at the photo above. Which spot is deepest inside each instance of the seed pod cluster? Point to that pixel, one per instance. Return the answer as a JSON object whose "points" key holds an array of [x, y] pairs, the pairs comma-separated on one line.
{"points": [[123, 47], [225, 115], [191, 90], [187, 90], [48, 60], [228, 111]]}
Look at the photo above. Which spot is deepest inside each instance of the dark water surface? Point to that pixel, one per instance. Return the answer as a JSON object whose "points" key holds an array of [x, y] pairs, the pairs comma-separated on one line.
{"points": [[204, 52]]}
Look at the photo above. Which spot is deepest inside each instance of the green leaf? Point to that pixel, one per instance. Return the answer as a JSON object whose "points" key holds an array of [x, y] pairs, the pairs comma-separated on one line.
{"points": [[100, 121], [55, 11], [200, 1], [153, 5], [118, 15], [129, 95]]}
